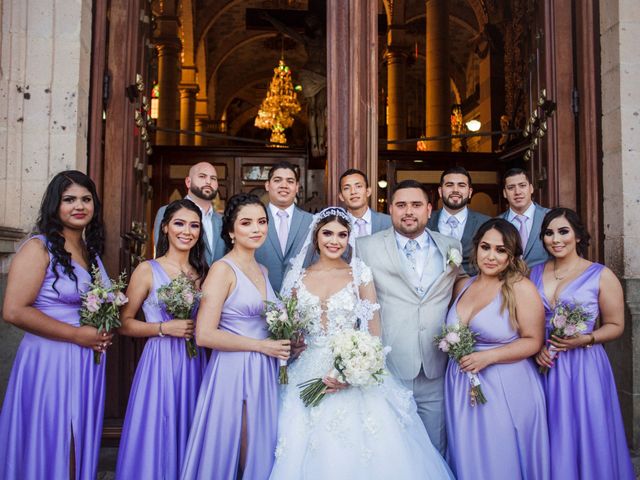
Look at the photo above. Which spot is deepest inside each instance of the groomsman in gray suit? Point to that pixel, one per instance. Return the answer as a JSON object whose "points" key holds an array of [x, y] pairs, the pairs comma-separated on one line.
{"points": [[414, 270], [202, 187], [355, 193], [524, 214], [288, 224], [456, 219]]}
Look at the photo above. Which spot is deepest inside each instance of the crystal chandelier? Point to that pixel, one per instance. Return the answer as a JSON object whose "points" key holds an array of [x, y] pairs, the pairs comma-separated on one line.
{"points": [[280, 105]]}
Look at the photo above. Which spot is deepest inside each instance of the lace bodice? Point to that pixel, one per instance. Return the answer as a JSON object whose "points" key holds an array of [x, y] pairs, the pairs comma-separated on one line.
{"points": [[343, 310]]}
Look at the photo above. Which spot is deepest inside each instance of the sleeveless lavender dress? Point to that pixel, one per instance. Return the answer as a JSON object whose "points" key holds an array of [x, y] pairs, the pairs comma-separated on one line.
{"points": [[232, 380], [585, 424], [162, 400], [55, 392], [505, 438]]}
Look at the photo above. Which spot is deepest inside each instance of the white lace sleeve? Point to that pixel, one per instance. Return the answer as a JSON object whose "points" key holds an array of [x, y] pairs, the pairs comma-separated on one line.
{"points": [[367, 307]]}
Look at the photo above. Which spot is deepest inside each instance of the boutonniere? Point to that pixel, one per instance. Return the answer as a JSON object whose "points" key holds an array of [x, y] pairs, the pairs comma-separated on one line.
{"points": [[454, 257]]}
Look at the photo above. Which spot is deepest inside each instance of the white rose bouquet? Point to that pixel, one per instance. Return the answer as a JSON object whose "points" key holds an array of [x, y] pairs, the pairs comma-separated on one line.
{"points": [[284, 323], [567, 321], [458, 341], [101, 304], [358, 359], [179, 298]]}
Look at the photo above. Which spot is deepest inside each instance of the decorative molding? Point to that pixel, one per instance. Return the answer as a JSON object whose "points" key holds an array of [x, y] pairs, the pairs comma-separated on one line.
{"points": [[9, 239]]}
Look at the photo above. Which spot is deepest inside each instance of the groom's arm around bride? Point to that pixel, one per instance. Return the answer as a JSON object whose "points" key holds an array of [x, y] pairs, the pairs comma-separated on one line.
{"points": [[414, 270]]}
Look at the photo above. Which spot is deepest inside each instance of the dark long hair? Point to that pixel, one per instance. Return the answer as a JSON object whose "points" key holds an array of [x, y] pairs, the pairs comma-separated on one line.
{"points": [[516, 268], [50, 225], [234, 204], [196, 254], [582, 235]]}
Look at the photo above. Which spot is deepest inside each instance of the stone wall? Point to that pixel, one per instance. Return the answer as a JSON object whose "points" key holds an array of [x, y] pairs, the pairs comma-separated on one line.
{"points": [[45, 58], [620, 70]]}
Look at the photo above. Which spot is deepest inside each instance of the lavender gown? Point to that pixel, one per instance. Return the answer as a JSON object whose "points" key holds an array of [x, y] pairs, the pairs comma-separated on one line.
{"points": [[505, 438], [55, 392], [585, 424], [234, 379], [162, 400]]}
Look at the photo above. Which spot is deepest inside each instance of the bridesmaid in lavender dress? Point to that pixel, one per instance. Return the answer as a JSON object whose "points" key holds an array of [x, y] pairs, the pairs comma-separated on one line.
{"points": [[505, 438], [51, 420], [585, 424], [165, 388], [234, 429]]}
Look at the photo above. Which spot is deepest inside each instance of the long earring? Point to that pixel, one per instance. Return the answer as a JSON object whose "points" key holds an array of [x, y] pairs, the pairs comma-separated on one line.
{"points": [[233, 240]]}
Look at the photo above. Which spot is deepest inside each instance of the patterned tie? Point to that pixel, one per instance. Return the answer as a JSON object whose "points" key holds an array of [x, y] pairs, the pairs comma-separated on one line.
{"points": [[453, 225], [410, 251], [361, 223], [283, 229], [522, 230]]}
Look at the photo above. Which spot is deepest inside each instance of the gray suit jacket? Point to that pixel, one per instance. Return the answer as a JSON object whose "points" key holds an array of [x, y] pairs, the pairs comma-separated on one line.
{"points": [[409, 320], [379, 222], [474, 220], [534, 252], [215, 247], [270, 254]]}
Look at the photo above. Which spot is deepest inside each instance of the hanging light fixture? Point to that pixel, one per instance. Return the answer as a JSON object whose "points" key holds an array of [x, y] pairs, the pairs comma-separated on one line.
{"points": [[280, 105]]}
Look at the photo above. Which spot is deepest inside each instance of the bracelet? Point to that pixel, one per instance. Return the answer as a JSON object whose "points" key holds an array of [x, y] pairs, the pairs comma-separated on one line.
{"points": [[160, 333], [591, 342]]}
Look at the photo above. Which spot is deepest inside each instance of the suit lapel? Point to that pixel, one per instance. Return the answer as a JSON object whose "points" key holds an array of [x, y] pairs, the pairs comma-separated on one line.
{"points": [[470, 225], [442, 248], [398, 263], [209, 249], [272, 235], [375, 223], [296, 222], [435, 221], [538, 216]]}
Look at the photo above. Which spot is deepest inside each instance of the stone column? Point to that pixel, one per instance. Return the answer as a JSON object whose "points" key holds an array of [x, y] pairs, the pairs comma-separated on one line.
{"points": [[45, 63], [396, 59], [187, 112], [168, 45], [438, 87], [201, 117], [620, 68]]}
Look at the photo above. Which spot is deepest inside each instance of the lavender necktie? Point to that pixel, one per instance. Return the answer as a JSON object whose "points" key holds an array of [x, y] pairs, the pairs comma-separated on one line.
{"points": [[522, 230], [362, 227], [283, 229], [453, 225], [410, 252]]}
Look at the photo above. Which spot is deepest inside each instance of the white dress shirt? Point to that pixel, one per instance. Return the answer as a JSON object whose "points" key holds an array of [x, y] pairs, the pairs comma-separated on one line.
{"points": [[367, 221], [445, 228], [421, 254], [274, 214], [207, 222], [529, 213]]}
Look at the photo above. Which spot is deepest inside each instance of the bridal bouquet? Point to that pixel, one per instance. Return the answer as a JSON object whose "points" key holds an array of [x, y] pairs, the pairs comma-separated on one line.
{"points": [[284, 323], [101, 304], [458, 341], [358, 359], [567, 321], [179, 297]]}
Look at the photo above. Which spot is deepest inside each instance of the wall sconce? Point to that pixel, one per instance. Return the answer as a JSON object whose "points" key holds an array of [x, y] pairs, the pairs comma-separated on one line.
{"points": [[473, 125], [382, 183]]}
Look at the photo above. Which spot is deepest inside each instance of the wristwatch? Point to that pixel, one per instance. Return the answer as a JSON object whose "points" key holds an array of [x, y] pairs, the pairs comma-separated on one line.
{"points": [[160, 334]]}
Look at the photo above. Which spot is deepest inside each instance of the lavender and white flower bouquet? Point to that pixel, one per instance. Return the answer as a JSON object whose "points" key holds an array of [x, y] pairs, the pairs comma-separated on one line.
{"points": [[101, 304], [284, 323], [567, 321], [458, 341], [178, 298], [358, 359]]}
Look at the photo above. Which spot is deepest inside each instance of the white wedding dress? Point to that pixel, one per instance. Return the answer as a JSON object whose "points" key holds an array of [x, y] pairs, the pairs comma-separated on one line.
{"points": [[366, 433]]}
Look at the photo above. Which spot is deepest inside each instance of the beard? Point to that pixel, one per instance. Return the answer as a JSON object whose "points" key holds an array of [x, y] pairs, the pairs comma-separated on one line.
{"points": [[453, 205], [197, 191]]}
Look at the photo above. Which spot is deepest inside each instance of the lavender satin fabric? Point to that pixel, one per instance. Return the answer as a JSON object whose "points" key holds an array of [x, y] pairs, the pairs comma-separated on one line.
{"points": [[585, 424], [162, 400], [506, 438], [233, 379], [55, 392]]}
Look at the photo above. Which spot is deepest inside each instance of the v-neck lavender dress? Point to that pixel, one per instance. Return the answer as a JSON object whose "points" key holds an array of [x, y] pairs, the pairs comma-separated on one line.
{"points": [[233, 380], [55, 392], [162, 400], [585, 424], [505, 438]]}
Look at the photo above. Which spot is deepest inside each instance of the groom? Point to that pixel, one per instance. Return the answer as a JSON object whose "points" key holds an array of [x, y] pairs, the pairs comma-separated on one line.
{"points": [[414, 270]]}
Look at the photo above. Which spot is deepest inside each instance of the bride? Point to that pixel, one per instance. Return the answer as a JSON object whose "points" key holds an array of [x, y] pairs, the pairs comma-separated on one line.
{"points": [[354, 433]]}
